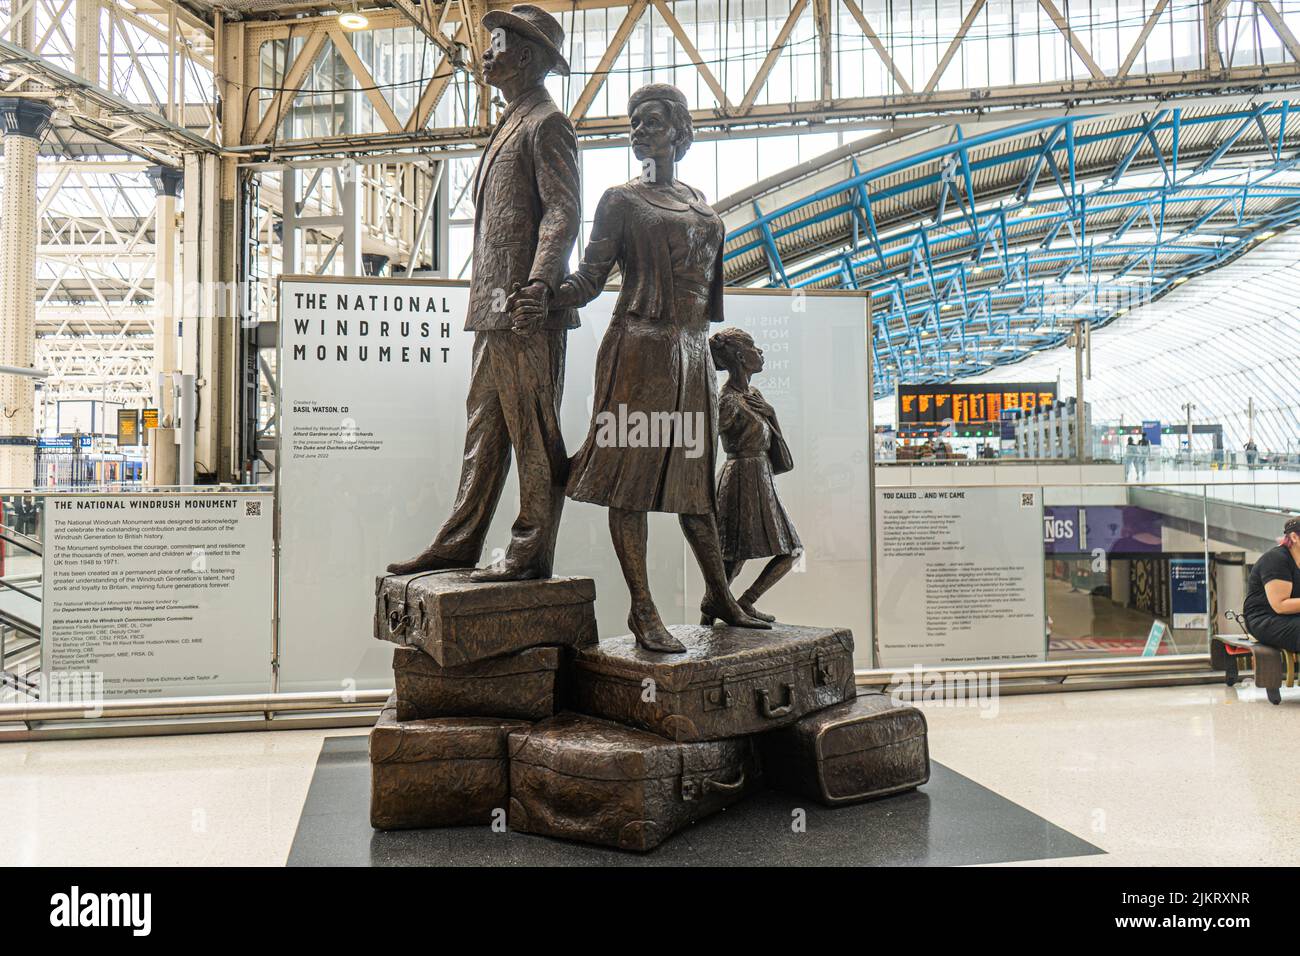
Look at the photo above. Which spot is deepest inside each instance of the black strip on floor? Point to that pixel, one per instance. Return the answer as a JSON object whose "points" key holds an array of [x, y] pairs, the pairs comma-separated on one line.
{"points": [[951, 821]]}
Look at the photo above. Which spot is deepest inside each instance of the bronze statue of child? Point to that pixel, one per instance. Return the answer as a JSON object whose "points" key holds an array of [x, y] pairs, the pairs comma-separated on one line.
{"points": [[751, 520]]}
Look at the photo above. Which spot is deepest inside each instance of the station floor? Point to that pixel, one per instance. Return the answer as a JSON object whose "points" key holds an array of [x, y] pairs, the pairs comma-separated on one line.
{"points": [[1201, 775]]}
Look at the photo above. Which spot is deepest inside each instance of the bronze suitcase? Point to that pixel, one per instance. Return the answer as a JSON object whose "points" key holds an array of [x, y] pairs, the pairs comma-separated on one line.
{"points": [[863, 748], [731, 682], [456, 621], [444, 772], [519, 685], [591, 780]]}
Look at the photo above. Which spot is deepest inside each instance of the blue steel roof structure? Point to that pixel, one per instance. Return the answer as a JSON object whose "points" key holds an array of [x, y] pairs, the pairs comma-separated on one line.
{"points": [[981, 245], [1224, 341]]}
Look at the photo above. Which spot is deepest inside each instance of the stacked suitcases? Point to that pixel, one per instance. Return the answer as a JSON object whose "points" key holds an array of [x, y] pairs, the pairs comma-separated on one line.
{"points": [[475, 663], [506, 705]]}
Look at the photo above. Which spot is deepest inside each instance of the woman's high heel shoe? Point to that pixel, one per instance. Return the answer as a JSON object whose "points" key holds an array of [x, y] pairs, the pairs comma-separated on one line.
{"points": [[729, 612], [651, 634]]}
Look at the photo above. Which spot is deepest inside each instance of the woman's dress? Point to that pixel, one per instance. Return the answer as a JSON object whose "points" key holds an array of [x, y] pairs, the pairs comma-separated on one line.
{"points": [[653, 436]]}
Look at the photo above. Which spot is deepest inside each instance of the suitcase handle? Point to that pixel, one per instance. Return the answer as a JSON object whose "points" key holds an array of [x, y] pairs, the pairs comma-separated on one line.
{"points": [[396, 620], [691, 787], [765, 703], [714, 786]]}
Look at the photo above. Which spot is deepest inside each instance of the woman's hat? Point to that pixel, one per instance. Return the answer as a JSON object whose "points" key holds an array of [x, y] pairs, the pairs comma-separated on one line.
{"points": [[656, 91], [535, 24], [1291, 527]]}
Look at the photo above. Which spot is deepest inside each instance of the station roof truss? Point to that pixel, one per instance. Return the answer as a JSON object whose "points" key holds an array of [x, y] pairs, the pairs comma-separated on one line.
{"points": [[1225, 344], [297, 84], [980, 227], [126, 77], [979, 246]]}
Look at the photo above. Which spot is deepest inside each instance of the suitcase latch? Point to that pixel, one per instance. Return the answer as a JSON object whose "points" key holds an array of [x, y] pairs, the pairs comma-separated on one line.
{"points": [[719, 699], [823, 672]]}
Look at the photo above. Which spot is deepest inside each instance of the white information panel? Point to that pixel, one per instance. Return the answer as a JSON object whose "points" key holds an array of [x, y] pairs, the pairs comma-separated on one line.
{"points": [[960, 576], [158, 595], [373, 377]]}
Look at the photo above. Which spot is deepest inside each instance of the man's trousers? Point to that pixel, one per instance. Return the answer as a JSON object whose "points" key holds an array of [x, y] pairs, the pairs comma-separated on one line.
{"points": [[516, 383]]}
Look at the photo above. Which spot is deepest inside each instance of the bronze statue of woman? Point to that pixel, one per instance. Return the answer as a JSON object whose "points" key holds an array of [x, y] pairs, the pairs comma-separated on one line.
{"points": [[653, 436], [751, 520]]}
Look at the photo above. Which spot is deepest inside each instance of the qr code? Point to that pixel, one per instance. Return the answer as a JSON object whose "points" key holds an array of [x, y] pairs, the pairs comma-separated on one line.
{"points": [[1026, 499], [253, 509]]}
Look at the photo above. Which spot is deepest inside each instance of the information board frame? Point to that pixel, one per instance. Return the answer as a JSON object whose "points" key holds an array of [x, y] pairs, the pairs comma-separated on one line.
{"points": [[135, 501], [942, 535]]}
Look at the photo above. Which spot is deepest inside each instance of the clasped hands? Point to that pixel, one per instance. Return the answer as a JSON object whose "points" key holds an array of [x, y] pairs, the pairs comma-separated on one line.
{"points": [[527, 305]]}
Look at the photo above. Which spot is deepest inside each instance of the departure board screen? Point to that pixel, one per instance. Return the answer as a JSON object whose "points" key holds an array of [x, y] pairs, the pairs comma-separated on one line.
{"points": [[933, 406]]}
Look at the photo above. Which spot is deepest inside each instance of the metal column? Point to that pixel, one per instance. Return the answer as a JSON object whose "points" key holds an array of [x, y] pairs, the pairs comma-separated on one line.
{"points": [[205, 295], [351, 214], [163, 441], [185, 473], [167, 188], [23, 123], [1081, 340], [85, 52]]}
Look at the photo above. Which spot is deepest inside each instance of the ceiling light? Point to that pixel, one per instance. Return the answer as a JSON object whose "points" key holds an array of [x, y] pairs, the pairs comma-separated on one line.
{"points": [[353, 19], [1180, 280], [1266, 235]]}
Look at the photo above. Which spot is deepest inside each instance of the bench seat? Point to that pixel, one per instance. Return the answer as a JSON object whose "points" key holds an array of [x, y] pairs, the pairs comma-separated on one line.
{"points": [[1272, 665]]}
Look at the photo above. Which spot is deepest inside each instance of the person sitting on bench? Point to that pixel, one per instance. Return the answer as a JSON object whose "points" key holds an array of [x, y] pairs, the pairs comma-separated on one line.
{"points": [[1272, 607]]}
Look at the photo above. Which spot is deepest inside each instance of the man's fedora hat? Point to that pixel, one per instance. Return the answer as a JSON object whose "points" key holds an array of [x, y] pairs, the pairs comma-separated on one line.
{"points": [[535, 24]]}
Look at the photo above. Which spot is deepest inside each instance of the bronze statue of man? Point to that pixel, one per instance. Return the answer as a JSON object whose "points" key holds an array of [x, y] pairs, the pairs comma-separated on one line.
{"points": [[526, 199]]}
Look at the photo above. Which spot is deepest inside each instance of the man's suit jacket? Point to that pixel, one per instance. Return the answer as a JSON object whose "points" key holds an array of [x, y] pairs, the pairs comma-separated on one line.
{"points": [[526, 212]]}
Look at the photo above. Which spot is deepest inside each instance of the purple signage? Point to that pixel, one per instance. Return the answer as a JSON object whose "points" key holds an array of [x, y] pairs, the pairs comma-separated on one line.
{"points": [[1061, 530], [1113, 529], [1123, 530]]}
